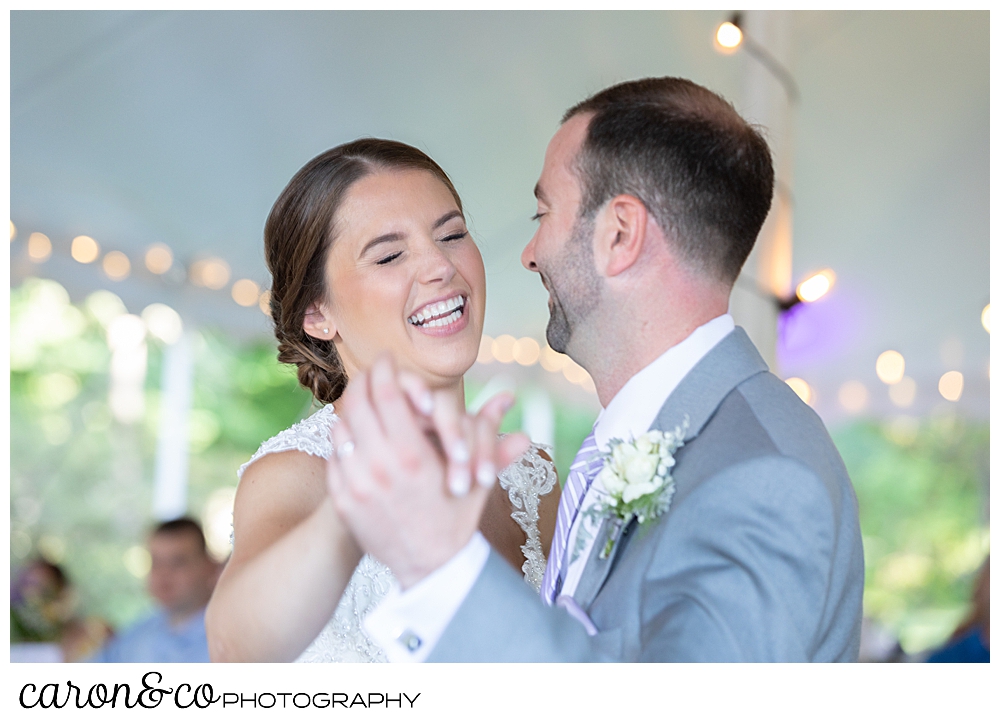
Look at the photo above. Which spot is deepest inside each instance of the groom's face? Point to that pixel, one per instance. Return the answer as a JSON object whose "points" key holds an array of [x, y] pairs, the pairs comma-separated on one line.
{"points": [[561, 251]]}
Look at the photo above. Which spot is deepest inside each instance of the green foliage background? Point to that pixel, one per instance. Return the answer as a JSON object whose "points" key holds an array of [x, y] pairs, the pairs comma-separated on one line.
{"points": [[81, 484]]}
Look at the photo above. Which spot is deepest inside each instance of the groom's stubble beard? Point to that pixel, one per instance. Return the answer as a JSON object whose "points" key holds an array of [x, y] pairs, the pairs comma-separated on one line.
{"points": [[574, 289]]}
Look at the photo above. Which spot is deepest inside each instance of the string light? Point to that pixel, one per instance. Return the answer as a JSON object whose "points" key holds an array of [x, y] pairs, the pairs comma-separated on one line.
{"points": [[39, 247], [13, 231], [728, 37], [485, 355], [212, 273], [526, 351], [245, 292], [159, 258], [265, 302], [84, 249], [116, 265], [503, 348], [816, 286], [985, 318]]}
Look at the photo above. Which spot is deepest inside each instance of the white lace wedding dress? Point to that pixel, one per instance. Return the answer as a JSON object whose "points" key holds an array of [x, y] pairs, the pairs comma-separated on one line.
{"points": [[343, 640]]}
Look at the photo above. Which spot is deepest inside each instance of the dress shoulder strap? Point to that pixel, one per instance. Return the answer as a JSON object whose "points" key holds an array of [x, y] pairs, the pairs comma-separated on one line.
{"points": [[311, 435]]}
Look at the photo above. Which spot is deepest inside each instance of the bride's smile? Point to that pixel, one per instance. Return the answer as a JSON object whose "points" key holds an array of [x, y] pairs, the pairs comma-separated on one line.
{"points": [[404, 275]]}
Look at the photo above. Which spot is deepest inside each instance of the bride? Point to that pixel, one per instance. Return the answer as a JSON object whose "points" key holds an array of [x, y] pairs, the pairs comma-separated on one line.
{"points": [[369, 252]]}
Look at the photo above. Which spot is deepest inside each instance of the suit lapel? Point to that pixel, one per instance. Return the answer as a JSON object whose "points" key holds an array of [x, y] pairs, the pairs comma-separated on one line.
{"points": [[727, 365]]}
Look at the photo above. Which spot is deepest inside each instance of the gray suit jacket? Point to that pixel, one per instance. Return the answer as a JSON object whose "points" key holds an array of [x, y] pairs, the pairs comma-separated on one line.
{"points": [[758, 559]]}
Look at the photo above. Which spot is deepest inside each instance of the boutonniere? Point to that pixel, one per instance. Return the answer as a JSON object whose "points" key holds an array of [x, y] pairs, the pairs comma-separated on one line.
{"points": [[636, 481]]}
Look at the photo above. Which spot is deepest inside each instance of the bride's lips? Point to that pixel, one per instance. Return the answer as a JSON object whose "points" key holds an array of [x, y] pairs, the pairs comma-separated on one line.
{"points": [[442, 317]]}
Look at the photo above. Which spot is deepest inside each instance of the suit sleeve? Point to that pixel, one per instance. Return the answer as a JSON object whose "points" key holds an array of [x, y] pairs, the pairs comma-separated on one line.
{"points": [[738, 572]]}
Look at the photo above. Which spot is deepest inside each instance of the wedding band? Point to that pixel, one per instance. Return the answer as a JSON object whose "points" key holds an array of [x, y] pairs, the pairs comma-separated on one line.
{"points": [[345, 450]]}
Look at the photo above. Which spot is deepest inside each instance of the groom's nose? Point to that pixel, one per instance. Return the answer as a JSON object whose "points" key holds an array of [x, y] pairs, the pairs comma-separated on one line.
{"points": [[528, 255]]}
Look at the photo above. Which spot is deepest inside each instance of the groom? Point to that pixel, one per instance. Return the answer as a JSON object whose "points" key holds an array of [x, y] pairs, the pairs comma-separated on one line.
{"points": [[650, 199]]}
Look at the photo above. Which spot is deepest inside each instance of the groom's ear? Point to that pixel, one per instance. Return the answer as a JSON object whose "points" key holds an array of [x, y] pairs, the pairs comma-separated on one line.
{"points": [[318, 322], [619, 234]]}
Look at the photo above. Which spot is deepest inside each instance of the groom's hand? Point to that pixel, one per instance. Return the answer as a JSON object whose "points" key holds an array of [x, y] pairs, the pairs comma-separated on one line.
{"points": [[389, 480]]}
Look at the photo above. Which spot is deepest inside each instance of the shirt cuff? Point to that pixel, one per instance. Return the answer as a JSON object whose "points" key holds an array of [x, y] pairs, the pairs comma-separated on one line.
{"points": [[407, 625]]}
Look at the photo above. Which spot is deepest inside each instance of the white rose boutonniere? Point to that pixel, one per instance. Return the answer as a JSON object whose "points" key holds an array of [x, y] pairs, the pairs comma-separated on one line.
{"points": [[636, 481]]}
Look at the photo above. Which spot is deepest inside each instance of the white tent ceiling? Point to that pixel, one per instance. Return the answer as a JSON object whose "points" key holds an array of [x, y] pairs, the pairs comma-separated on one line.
{"points": [[182, 127]]}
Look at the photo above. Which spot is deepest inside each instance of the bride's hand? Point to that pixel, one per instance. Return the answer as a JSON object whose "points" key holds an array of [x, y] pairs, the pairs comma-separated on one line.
{"points": [[388, 480], [470, 443]]}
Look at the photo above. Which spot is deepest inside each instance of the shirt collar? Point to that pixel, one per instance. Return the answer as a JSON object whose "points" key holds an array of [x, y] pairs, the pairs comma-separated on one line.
{"points": [[635, 406]]}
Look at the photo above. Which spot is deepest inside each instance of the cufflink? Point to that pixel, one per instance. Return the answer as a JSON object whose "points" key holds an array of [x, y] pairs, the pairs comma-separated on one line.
{"points": [[410, 640]]}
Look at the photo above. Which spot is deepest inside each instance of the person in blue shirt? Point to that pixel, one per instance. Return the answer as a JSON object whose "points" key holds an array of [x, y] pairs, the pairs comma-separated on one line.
{"points": [[181, 580], [970, 643]]}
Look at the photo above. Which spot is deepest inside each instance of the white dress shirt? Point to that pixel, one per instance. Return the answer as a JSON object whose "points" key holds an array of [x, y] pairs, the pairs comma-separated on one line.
{"points": [[407, 625]]}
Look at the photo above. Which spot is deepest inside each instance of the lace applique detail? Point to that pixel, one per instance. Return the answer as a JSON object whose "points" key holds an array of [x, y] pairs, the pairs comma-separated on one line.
{"points": [[528, 480], [343, 639], [311, 435]]}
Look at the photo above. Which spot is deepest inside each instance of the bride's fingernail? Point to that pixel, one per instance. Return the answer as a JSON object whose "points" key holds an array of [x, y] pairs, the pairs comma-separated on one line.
{"points": [[460, 451], [426, 403], [486, 474], [459, 482]]}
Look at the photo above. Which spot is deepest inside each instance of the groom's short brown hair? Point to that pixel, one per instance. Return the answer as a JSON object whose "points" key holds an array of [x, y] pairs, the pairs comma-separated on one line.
{"points": [[703, 172]]}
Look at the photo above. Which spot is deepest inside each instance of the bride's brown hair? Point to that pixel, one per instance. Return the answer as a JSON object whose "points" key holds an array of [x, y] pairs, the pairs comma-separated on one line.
{"points": [[297, 238]]}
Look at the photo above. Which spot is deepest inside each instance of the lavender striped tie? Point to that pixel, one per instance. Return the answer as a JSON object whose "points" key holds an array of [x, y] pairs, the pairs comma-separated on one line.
{"points": [[584, 469]]}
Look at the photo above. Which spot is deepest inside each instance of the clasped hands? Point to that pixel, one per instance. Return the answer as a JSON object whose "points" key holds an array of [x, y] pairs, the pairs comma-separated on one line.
{"points": [[402, 473]]}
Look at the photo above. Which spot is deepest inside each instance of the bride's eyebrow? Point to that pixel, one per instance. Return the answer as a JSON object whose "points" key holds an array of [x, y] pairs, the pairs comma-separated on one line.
{"points": [[446, 218], [384, 238]]}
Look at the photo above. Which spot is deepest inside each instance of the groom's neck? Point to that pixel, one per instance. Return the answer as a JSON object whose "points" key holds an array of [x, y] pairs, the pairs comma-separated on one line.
{"points": [[632, 329]]}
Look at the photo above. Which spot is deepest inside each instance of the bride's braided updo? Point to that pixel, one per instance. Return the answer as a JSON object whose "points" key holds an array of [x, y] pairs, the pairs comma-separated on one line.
{"points": [[297, 238]]}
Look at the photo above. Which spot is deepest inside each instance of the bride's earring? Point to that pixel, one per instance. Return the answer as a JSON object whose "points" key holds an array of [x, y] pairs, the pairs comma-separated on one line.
{"points": [[326, 331]]}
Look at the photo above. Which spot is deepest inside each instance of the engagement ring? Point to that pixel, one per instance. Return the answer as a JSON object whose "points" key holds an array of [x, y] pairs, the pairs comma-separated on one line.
{"points": [[345, 450]]}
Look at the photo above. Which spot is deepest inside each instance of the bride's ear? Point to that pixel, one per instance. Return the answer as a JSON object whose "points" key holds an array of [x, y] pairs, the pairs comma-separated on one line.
{"points": [[318, 323]]}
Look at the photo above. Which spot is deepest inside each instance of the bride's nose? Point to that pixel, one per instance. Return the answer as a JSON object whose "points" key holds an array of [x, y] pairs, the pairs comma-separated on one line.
{"points": [[436, 265]]}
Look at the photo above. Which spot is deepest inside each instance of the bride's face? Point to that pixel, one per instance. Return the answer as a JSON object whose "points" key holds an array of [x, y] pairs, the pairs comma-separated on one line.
{"points": [[406, 277]]}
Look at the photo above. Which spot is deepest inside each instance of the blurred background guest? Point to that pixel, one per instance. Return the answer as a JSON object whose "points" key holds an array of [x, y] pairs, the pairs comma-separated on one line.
{"points": [[970, 643], [181, 578], [44, 626]]}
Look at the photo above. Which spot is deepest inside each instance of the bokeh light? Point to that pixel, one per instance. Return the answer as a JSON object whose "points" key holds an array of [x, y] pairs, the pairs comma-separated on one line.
{"points": [[526, 351], [503, 348], [137, 561], [950, 385], [265, 302], [728, 36], [802, 388], [903, 393], [985, 318], [84, 249], [39, 247], [853, 396], [105, 305], [163, 322], [890, 366], [13, 231], [116, 265], [485, 350], [126, 331], [816, 286], [553, 361], [159, 258], [212, 273], [245, 292]]}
